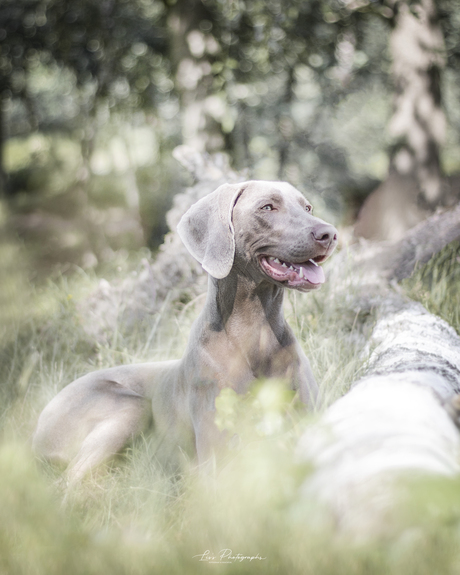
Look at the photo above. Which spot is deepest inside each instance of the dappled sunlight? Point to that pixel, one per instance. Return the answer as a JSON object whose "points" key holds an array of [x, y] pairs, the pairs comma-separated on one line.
{"points": [[116, 117], [250, 511]]}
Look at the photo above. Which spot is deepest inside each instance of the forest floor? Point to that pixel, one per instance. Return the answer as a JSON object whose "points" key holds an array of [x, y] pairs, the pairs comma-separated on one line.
{"points": [[134, 517]]}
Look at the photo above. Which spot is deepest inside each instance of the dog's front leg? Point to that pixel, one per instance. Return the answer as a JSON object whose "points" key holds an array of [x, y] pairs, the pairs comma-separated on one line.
{"points": [[208, 438]]}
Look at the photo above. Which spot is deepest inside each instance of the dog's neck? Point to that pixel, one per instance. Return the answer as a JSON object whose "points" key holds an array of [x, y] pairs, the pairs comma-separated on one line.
{"points": [[239, 305]]}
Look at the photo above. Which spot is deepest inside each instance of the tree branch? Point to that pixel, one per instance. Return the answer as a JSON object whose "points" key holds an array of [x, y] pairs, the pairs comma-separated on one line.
{"points": [[397, 260]]}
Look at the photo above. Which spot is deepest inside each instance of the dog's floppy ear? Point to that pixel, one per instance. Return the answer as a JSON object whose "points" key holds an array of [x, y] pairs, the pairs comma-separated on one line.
{"points": [[206, 229]]}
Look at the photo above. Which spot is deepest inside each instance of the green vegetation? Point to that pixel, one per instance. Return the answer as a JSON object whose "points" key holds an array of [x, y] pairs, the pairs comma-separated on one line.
{"points": [[131, 517], [94, 96], [437, 285]]}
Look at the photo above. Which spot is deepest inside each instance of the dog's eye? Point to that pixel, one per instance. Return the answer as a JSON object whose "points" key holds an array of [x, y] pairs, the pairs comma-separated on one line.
{"points": [[309, 208], [268, 207]]}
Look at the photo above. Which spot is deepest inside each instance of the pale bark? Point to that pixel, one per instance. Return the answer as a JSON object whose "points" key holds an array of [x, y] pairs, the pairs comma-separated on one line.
{"points": [[418, 123], [397, 422], [376, 262], [392, 425], [191, 53], [414, 185]]}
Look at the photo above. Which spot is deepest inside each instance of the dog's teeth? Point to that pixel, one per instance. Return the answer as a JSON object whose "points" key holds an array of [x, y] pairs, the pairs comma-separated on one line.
{"points": [[292, 268], [276, 260], [283, 265], [301, 272], [314, 263]]}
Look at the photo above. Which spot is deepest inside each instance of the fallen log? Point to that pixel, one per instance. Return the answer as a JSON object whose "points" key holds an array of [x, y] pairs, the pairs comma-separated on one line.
{"points": [[397, 421], [394, 421], [171, 274], [394, 261]]}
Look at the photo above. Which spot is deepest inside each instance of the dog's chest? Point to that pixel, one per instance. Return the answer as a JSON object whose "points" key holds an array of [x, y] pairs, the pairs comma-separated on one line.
{"points": [[237, 362]]}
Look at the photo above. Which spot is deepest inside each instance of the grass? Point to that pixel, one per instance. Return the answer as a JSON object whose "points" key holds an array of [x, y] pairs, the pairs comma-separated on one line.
{"points": [[133, 517], [437, 285]]}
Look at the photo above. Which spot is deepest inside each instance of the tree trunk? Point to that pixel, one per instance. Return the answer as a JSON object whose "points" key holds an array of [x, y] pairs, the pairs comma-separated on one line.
{"points": [[3, 182], [418, 123], [396, 423], [377, 263], [392, 425], [414, 186], [192, 48]]}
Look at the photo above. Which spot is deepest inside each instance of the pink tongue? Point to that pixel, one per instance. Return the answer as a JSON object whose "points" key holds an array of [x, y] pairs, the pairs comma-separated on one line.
{"points": [[314, 274]]}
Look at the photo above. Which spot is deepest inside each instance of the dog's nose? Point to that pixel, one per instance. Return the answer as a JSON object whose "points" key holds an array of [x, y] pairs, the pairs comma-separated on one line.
{"points": [[324, 234]]}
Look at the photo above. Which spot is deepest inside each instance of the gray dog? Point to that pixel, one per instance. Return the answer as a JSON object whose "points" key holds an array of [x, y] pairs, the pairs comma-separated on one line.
{"points": [[254, 239]]}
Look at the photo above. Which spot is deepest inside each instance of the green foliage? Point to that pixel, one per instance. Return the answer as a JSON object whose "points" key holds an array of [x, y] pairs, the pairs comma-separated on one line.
{"points": [[110, 44], [265, 411], [133, 517], [293, 90], [299, 91], [276, 72]]}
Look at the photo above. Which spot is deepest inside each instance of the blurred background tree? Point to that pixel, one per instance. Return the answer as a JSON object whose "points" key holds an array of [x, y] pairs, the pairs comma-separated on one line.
{"points": [[340, 97], [415, 185]]}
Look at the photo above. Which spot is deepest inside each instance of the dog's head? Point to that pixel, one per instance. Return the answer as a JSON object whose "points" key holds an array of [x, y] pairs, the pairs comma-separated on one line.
{"points": [[265, 230]]}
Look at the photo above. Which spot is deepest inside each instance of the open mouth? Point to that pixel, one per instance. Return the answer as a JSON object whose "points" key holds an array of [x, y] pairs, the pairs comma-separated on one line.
{"points": [[307, 275]]}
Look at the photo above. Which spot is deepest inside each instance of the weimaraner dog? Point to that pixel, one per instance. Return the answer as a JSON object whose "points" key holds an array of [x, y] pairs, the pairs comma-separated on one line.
{"points": [[254, 239]]}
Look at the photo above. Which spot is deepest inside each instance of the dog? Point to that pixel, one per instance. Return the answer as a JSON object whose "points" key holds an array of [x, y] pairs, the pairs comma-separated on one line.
{"points": [[254, 239]]}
